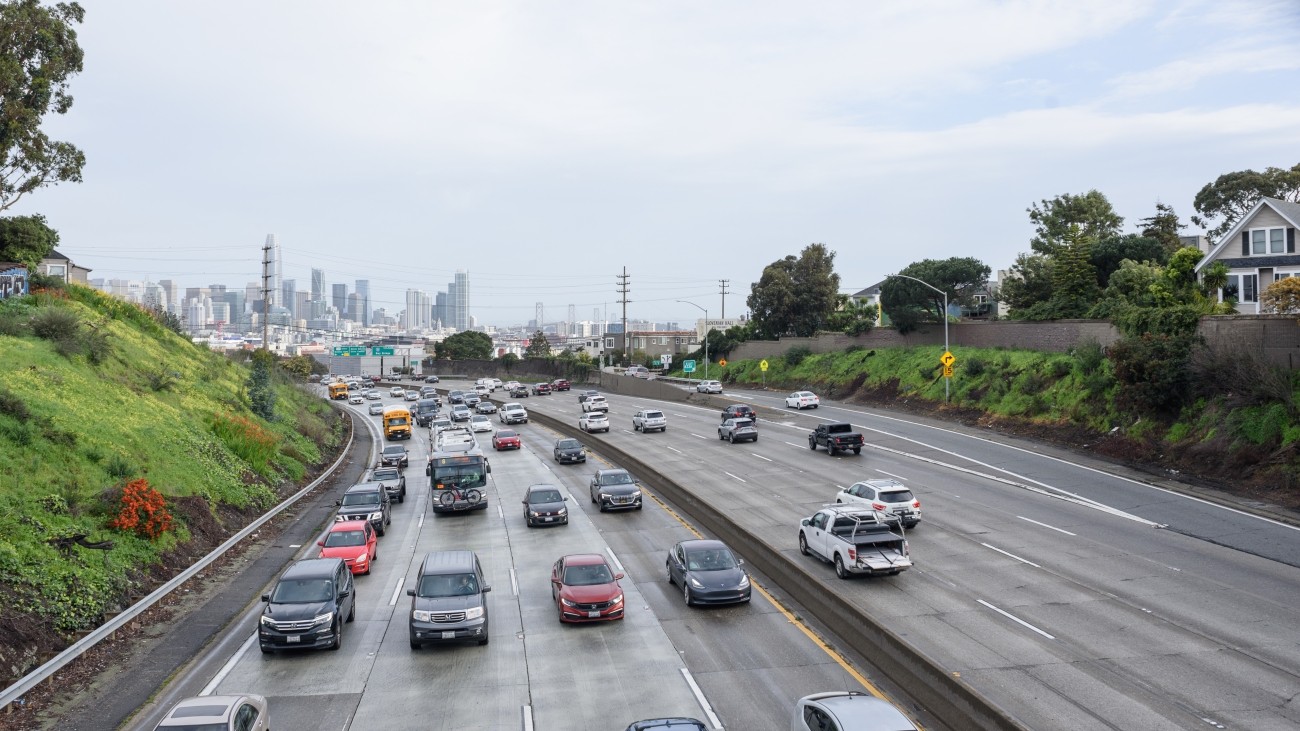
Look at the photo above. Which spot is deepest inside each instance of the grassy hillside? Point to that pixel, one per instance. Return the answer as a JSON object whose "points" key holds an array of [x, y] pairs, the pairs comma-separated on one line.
{"points": [[95, 394]]}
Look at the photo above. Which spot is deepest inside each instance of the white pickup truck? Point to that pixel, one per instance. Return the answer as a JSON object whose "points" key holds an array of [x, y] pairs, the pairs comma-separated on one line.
{"points": [[855, 540], [595, 403]]}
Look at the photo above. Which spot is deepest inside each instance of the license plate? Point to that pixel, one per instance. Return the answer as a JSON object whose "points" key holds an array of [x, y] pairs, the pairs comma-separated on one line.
{"points": [[448, 635], [593, 615], [292, 638], [547, 520]]}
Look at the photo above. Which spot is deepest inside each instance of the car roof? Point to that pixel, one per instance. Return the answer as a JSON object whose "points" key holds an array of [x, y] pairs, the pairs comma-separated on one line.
{"points": [[204, 709], [861, 712], [348, 525], [584, 559], [883, 483], [611, 471], [542, 486], [309, 568], [364, 487], [703, 544], [447, 562], [667, 724]]}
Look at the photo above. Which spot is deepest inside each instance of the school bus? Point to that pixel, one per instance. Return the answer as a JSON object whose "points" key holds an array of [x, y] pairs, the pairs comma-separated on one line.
{"points": [[397, 422], [339, 390]]}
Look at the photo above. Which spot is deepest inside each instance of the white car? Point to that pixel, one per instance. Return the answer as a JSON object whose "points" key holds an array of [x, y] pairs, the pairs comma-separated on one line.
{"points": [[802, 400], [889, 497], [412, 396], [595, 403], [496, 383], [511, 385], [484, 386], [376, 409], [220, 712], [479, 422], [848, 711], [437, 425], [373, 394], [356, 398], [648, 420], [709, 387], [595, 421], [397, 392]]}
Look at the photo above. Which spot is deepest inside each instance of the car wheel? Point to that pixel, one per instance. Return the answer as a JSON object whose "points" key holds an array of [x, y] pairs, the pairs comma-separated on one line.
{"points": [[756, 439], [668, 569], [857, 450], [415, 645], [686, 594], [912, 526], [803, 545], [840, 571], [830, 450], [265, 650], [401, 496], [731, 438], [380, 530], [375, 557], [815, 405], [352, 612], [812, 444], [338, 635]]}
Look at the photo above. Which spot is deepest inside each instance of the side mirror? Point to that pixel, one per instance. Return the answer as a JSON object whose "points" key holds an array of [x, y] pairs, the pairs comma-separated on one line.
{"points": [[805, 521], [524, 501], [338, 502], [487, 467], [266, 598], [487, 588], [428, 469], [617, 577], [740, 562], [344, 594], [320, 543], [555, 581], [410, 592]]}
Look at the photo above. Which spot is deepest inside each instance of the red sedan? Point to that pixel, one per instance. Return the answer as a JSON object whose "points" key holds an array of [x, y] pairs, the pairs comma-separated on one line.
{"points": [[354, 541], [585, 589], [505, 439]]}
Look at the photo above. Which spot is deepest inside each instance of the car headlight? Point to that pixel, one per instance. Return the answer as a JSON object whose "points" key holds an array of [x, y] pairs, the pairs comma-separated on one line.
{"points": [[364, 557], [534, 514], [339, 519], [604, 496], [562, 511], [636, 493], [618, 599], [376, 516], [567, 603], [420, 616], [325, 618], [744, 581], [267, 619], [473, 612], [695, 582]]}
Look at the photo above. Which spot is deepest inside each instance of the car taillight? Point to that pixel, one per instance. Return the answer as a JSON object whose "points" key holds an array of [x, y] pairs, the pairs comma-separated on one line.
{"points": [[916, 503], [877, 506], [853, 554]]}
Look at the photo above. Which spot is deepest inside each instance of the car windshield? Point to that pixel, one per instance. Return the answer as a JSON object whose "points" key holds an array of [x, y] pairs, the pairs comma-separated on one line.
{"points": [[345, 538], [302, 591], [616, 478], [440, 585], [568, 444], [505, 434], [388, 474], [545, 496], [361, 498], [467, 476], [587, 575], [896, 496], [710, 559], [394, 451], [480, 419]]}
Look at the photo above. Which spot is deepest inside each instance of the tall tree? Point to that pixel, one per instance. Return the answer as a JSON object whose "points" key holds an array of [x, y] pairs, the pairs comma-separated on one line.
{"points": [[538, 346], [1232, 195], [468, 345], [1074, 278], [1164, 227], [26, 240], [1028, 282], [771, 300], [1052, 219], [38, 54], [795, 296], [908, 302], [1108, 253]]}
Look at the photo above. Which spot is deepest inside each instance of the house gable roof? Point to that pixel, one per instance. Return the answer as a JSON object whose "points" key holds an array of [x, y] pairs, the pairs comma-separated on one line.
{"points": [[1287, 210], [872, 291], [54, 254]]}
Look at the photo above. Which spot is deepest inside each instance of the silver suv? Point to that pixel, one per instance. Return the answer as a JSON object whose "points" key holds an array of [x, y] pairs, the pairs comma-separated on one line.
{"points": [[648, 420], [891, 498]]}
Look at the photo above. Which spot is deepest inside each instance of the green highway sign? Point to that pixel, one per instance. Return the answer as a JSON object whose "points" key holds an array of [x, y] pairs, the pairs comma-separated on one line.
{"points": [[381, 351], [349, 350], [656, 363], [688, 366]]}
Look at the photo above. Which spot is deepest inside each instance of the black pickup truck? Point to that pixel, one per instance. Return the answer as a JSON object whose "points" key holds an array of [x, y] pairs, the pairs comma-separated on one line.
{"points": [[836, 438]]}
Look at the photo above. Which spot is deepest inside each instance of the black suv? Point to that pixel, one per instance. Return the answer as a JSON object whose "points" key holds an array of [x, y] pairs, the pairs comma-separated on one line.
{"points": [[394, 455], [366, 501], [615, 489], [739, 411], [308, 606], [449, 601]]}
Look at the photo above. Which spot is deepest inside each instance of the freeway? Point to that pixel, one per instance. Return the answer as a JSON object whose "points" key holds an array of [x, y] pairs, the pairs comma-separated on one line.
{"points": [[1071, 594], [733, 667]]}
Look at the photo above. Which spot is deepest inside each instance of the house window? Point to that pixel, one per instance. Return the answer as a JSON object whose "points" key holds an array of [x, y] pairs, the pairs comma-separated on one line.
{"points": [[57, 270], [1249, 288], [1268, 241], [1279, 276]]}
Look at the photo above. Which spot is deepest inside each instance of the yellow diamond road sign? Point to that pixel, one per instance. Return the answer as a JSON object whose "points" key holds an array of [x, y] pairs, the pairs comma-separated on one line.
{"points": [[762, 365], [947, 359]]}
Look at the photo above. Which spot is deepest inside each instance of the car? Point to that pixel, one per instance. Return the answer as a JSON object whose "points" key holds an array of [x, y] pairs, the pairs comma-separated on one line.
{"points": [[802, 400], [428, 392], [510, 384], [648, 420], [708, 573], [308, 606], [394, 455], [585, 589], [483, 389], [595, 403], [506, 439], [584, 395], [430, 379], [447, 439], [738, 430], [637, 372], [479, 422], [569, 451], [709, 387], [496, 383], [439, 424], [513, 413], [357, 398], [485, 407], [412, 396], [541, 389], [354, 541], [738, 411], [460, 412], [560, 384], [544, 505], [615, 489], [519, 391], [595, 421], [397, 392], [847, 710], [376, 409], [373, 394], [218, 713], [449, 600], [455, 397], [471, 399], [890, 497], [393, 481], [365, 501], [668, 724]]}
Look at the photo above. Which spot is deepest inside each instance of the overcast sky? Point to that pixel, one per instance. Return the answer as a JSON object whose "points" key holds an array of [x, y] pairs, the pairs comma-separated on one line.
{"points": [[544, 146]]}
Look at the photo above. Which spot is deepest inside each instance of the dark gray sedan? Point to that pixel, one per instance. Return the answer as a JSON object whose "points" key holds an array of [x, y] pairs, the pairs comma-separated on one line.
{"points": [[544, 505], [569, 451], [708, 572]]}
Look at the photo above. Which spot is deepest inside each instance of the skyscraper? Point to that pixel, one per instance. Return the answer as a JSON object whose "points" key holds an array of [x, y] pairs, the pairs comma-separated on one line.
{"points": [[340, 298], [363, 301], [458, 302], [419, 309], [284, 297], [317, 285], [440, 316]]}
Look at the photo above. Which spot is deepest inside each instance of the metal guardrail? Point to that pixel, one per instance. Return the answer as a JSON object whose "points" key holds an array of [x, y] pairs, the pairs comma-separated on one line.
{"points": [[34, 678], [952, 701]]}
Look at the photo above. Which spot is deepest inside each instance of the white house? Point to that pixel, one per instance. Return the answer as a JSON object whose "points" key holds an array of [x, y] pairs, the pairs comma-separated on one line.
{"points": [[1258, 250]]}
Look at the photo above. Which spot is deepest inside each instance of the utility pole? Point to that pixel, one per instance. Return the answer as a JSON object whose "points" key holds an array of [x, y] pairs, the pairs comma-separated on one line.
{"points": [[266, 295], [622, 292], [723, 291]]}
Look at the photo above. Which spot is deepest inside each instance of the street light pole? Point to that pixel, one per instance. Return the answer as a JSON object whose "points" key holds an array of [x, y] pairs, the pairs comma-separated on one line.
{"points": [[945, 320], [706, 335]]}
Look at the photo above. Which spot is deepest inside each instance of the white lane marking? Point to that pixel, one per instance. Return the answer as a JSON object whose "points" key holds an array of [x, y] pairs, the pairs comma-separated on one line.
{"points": [[797, 446], [500, 514], [704, 702], [618, 566], [675, 449], [697, 436], [681, 416], [229, 666], [1012, 555], [765, 459], [841, 488], [514, 583], [420, 524], [528, 718], [1058, 530], [891, 474], [397, 591], [1013, 617], [728, 474], [295, 545]]}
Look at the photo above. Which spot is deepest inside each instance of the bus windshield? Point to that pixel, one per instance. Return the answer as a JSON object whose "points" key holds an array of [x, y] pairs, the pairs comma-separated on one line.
{"points": [[459, 476]]}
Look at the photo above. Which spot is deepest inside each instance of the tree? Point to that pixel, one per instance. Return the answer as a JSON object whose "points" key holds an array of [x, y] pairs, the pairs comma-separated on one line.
{"points": [[508, 360], [1214, 278], [1074, 279], [1028, 282], [853, 317], [1282, 297], [1164, 227], [469, 345], [1052, 219], [38, 54], [909, 303], [1107, 254], [1232, 195], [795, 296], [26, 240], [538, 346], [261, 392]]}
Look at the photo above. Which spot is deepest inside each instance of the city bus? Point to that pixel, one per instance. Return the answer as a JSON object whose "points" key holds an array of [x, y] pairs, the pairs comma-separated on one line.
{"points": [[458, 481]]}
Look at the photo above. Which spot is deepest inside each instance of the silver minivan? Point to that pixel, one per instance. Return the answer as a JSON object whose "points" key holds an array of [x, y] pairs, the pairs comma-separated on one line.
{"points": [[449, 601]]}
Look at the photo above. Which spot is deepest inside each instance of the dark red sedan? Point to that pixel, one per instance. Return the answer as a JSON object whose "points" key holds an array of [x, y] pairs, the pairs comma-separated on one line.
{"points": [[541, 389], [560, 384], [505, 439], [586, 589]]}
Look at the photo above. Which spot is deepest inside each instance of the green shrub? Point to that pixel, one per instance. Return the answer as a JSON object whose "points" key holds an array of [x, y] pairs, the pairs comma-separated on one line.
{"points": [[94, 454], [1152, 371], [796, 355], [1059, 368], [1033, 383], [20, 433], [975, 367], [1089, 355], [13, 405], [118, 466], [56, 324]]}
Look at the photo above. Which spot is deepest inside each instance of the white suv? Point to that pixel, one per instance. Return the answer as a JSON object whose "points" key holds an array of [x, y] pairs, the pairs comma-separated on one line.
{"points": [[595, 403], [649, 420], [709, 387], [888, 497]]}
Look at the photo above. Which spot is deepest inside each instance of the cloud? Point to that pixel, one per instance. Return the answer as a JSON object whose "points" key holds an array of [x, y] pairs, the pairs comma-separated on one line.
{"points": [[1187, 73]]}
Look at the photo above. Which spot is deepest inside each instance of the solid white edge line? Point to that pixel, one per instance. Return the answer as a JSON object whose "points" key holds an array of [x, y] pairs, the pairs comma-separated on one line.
{"points": [[397, 591], [420, 523], [1012, 555], [514, 583], [728, 474], [528, 718], [229, 666], [500, 513], [1050, 527], [1014, 618], [765, 459], [614, 558], [704, 702]]}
